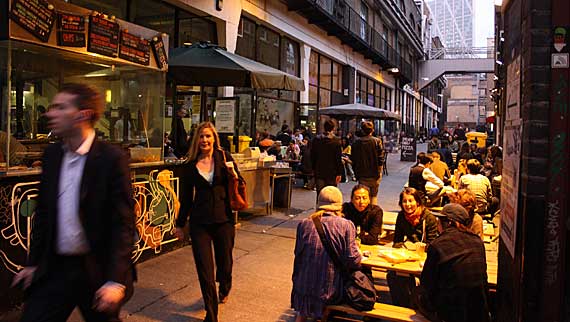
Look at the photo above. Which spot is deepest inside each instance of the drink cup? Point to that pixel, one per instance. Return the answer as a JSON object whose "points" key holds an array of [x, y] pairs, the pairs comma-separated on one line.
{"points": [[421, 249]]}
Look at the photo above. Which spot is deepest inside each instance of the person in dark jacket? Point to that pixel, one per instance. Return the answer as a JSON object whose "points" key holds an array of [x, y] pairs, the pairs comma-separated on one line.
{"points": [[178, 135], [366, 217], [205, 200], [368, 160], [326, 158], [454, 277], [415, 224]]}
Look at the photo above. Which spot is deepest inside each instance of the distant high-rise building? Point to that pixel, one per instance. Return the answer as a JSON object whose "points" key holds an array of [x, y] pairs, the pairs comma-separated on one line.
{"points": [[453, 21]]}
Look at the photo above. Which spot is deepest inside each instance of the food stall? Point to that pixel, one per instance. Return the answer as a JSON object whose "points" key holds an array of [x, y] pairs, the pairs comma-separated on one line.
{"points": [[45, 45]]}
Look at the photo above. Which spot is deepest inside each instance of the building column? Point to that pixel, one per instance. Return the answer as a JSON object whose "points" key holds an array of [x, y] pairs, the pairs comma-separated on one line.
{"points": [[305, 55]]}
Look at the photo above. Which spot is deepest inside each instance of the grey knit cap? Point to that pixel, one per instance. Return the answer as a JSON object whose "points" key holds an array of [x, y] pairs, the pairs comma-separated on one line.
{"points": [[330, 198]]}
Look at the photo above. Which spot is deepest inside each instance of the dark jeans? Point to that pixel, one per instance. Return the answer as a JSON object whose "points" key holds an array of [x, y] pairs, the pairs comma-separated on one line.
{"points": [[222, 236], [64, 287]]}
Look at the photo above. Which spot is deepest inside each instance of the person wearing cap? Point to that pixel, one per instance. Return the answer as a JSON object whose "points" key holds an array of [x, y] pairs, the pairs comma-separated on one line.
{"points": [[316, 280], [368, 160], [454, 277]]}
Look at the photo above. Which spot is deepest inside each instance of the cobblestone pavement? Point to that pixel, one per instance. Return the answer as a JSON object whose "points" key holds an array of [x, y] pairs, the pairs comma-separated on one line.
{"points": [[168, 288]]}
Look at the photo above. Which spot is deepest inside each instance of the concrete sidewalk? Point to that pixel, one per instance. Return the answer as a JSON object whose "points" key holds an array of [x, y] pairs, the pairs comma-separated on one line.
{"points": [[168, 288]]}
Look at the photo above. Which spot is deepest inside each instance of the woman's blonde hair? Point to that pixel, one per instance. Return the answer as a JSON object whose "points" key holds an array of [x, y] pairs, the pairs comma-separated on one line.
{"points": [[194, 150]]}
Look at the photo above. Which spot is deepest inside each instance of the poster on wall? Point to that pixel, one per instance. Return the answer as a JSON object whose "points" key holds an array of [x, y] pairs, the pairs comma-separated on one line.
{"points": [[70, 30], [225, 115], [134, 48], [510, 182], [512, 145], [36, 16], [272, 114], [103, 36]]}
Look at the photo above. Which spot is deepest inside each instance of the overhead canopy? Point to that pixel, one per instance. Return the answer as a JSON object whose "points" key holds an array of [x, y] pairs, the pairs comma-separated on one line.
{"points": [[210, 65], [359, 110]]}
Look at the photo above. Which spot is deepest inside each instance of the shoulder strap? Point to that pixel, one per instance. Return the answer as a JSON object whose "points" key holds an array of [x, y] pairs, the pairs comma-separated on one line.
{"points": [[326, 243]]}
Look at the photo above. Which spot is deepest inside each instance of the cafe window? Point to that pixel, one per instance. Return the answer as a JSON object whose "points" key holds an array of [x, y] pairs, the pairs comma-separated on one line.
{"points": [[134, 98], [155, 15], [372, 92], [192, 29], [246, 38], [289, 56], [108, 7], [268, 47], [325, 76]]}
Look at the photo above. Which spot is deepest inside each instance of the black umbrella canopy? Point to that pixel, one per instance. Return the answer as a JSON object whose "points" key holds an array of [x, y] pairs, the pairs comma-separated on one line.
{"points": [[210, 65], [359, 110]]}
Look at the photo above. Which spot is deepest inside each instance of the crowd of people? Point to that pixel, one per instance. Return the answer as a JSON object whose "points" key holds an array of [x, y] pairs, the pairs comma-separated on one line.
{"points": [[83, 235]]}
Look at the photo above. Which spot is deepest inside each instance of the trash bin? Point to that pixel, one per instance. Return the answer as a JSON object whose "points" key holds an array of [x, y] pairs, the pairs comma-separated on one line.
{"points": [[281, 190], [477, 138], [242, 144]]}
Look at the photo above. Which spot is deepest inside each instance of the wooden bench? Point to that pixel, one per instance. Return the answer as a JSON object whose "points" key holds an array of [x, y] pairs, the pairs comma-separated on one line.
{"points": [[381, 311]]}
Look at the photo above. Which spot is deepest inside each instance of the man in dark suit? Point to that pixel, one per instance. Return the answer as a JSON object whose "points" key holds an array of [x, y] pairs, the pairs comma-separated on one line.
{"points": [[82, 238]]}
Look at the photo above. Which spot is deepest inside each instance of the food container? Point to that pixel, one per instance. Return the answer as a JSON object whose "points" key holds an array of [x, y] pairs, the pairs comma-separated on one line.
{"points": [[145, 154], [398, 255]]}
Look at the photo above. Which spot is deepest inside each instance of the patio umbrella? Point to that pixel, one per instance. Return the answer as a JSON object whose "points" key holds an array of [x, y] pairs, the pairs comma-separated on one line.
{"points": [[347, 111], [209, 65]]}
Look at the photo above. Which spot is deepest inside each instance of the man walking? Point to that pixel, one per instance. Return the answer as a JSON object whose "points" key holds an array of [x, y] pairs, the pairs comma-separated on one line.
{"points": [[82, 238], [326, 159], [368, 160]]}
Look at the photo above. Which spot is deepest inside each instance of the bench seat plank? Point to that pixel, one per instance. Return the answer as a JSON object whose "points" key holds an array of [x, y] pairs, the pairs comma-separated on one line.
{"points": [[382, 311]]}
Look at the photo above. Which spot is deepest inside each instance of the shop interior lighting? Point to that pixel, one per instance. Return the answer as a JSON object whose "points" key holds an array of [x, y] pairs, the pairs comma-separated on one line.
{"points": [[499, 62], [395, 70]]}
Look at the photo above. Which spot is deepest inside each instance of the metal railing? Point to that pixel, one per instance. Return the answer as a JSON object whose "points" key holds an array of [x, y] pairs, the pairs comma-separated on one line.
{"points": [[461, 52]]}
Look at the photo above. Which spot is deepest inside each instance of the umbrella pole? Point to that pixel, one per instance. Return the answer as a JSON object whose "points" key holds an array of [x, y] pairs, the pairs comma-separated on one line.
{"points": [[203, 105]]}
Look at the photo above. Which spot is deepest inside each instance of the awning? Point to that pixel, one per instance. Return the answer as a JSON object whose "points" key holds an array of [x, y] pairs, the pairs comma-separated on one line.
{"points": [[359, 110], [210, 65]]}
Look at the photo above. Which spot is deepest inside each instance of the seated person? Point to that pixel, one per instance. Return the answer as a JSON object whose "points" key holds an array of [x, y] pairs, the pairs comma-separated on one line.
{"points": [[316, 279], [466, 198], [416, 224], [293, 151], [439, 168], [16, 157], [366, 216], [420, 174], [454, 277], [477, 183]]}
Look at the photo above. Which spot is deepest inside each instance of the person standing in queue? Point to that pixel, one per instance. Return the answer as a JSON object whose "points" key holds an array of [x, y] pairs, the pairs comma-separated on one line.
{"points": [[326, 158], [368, 159], [415, 223], [83, 234], [366, 217], [205, 200]]}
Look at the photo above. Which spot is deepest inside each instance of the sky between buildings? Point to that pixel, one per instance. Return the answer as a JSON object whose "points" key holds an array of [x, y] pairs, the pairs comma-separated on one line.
{"points": [[483, 25]]}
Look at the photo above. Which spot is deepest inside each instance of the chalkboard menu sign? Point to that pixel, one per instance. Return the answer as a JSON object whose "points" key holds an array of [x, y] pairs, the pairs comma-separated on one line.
{"points": [[408, 149], [36, 16], [71, 30], [103, 36], [159, 52], [134, 49]]}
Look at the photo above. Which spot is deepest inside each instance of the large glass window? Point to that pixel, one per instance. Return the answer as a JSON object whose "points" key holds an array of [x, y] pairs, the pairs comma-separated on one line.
{"points": [[268, 47], [246, 38], [155, 15], [289, 56], [108, 7], [325, 75], [134, 98], [371, 92], [192, 28]]}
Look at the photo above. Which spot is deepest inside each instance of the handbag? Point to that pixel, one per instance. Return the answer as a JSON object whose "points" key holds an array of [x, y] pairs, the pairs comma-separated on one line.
{"points": [[359, 290], [236, 190]]}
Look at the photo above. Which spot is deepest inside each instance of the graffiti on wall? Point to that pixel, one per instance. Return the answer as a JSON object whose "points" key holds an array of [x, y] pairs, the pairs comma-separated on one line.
{"points": [[156, 209]]}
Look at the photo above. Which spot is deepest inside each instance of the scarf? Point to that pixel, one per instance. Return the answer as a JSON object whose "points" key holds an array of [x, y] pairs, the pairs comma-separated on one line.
{"points": [[414, 218]]}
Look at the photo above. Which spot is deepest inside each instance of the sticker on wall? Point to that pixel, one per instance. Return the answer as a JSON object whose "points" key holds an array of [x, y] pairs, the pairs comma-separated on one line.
{"points": [[559, 60], [560, 41]]}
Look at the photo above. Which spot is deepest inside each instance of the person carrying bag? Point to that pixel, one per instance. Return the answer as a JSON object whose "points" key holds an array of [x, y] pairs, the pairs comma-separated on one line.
{"points": [[236, 188], [359, 290]]}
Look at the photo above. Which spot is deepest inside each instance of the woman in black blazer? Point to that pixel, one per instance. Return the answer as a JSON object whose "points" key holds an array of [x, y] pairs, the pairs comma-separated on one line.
{"points": [[204, 198]]}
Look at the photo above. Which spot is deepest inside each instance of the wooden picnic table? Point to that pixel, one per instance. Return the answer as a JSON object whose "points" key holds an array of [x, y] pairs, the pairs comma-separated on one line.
{"points": [[414, 267]]}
